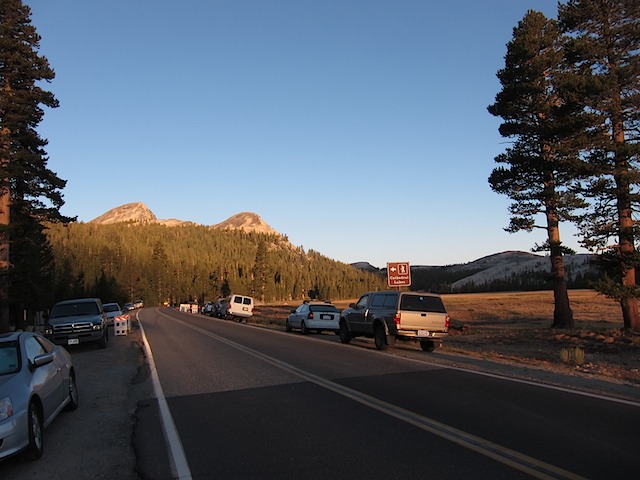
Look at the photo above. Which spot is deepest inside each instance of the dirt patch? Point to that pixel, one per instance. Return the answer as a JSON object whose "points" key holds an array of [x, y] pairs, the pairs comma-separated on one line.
{"points": [[515, 328]]}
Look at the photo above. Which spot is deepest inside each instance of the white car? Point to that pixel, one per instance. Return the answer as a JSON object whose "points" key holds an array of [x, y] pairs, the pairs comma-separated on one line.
{"points": [[112, 310], [317, 316]]}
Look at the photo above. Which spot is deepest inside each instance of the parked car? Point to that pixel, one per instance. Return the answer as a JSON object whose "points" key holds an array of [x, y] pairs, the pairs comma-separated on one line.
{"points": [[81, 320], [236, 307], [316, 316], [112, 310], [37, 381], [208, 309], [392, 315], [128, 306]]}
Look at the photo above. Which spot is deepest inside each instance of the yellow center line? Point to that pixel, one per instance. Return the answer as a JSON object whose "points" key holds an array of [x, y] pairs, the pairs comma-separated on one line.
{"points": [[504, 455]]}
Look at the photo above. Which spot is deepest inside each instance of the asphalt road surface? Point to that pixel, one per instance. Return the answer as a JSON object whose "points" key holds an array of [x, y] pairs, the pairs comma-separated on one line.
{"points": [[249, 402], [234, 401]]}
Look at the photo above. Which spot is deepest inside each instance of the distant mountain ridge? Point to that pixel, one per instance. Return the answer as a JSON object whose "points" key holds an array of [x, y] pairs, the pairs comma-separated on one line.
{"points": [[138, 212], [497, 271], [520, 270]]}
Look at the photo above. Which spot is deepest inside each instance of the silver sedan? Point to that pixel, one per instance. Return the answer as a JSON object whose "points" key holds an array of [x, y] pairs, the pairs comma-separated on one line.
{"points": [[314, 316], [37, 381]]}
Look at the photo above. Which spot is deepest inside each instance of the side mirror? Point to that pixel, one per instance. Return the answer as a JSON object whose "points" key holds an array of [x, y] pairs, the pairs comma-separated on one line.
{"points": [[41, 360]]}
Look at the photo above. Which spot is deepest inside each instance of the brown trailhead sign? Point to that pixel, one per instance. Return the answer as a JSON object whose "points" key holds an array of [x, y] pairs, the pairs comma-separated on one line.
{"points": [[398, 274]]}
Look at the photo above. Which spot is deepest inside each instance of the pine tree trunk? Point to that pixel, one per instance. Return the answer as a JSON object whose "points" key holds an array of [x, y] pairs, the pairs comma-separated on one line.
{"points": [[4, 259], [562, 313]]}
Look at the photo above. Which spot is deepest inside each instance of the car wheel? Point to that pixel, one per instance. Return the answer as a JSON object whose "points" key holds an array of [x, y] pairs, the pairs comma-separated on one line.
{"points": [[36, 439], [287, 326], [427, 345], [379, 337], [303, 328], [104, 341], [73, 393], [345, 336]]}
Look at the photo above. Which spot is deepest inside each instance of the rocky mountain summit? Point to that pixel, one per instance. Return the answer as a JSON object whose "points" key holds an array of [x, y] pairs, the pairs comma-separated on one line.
{"points": [[138, 212]]}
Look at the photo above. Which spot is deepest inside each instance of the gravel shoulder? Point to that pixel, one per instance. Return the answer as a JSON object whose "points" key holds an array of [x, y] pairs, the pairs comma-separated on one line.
{"points": [[94, 441]]}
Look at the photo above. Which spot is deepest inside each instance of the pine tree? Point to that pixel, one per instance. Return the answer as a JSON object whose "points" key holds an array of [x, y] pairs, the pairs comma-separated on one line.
{"points": [[27, 186], [538, 169], [604, 53]]}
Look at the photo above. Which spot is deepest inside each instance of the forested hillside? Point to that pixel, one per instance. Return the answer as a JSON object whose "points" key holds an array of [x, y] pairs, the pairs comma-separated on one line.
{"points": [[125, 261]]}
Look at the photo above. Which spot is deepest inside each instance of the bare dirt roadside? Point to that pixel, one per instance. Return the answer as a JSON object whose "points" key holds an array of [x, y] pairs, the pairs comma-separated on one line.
{"points": [[94, 441]]}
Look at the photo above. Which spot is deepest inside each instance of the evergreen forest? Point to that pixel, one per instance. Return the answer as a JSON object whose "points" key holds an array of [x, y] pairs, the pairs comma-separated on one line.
{"points": [[170, 265]]}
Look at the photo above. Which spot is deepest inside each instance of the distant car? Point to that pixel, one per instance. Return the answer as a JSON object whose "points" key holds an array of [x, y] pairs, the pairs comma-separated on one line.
{"points": [[236, 307], [316, 316], [208, 309], [112, 310], [81, 320], [138, 304], [128, 306], [37, 380]]}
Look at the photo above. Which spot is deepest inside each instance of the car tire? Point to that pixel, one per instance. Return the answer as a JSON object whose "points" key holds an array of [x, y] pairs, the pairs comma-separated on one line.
{"points": [[303, 328], [427, 345], [73, 393], [379, 337], [36, 434], [345, 336], [287, 326], [104, 340]]}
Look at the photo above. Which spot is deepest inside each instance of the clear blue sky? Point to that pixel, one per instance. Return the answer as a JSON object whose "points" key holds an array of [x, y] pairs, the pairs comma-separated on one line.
{"points": [[358, 128]]}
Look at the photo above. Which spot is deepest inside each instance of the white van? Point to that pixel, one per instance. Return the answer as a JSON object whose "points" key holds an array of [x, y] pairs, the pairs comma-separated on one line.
{"points": [[237, 307]]}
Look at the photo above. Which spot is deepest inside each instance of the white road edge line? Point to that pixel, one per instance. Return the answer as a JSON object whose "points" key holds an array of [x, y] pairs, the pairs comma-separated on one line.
{"points": [[177, 458], [504, 455]]}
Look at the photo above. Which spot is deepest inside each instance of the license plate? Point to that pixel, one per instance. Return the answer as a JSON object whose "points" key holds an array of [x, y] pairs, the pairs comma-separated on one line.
{"points": [[73, 341], [423, 333], [246, 309], [326, 316]]}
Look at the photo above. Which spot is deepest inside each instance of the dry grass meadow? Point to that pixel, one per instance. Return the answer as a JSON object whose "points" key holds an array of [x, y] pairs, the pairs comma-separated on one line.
{"points": [[515, 328]]}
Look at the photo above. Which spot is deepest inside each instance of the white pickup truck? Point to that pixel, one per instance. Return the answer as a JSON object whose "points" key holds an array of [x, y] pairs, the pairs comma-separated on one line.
{"points": [[390, 316]]}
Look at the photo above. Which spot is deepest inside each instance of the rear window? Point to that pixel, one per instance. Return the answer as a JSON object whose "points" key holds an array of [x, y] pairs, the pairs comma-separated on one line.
{"points": [[422, 303], [247, 301], [237, 299], [324, 308]]}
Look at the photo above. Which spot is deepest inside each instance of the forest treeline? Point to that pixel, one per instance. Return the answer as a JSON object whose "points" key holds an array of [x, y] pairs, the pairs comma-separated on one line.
{"points": [[160, 264]]}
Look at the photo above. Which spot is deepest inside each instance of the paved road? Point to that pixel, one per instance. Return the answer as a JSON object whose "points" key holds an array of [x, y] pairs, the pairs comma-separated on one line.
{"points": [[248, 402], [254, 403]]}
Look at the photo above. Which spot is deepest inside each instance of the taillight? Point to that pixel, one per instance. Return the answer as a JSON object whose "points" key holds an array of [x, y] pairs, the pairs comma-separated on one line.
{"points": [[396, 318], [447, 321], [310, 315]]}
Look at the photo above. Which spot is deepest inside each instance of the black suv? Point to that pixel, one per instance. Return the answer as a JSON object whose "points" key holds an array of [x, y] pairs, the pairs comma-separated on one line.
{"points": [[72, 322]]}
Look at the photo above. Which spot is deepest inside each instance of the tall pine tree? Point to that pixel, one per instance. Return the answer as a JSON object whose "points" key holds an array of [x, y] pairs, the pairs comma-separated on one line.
{"points": [[27, 187], [537, 170], [604, 51]]}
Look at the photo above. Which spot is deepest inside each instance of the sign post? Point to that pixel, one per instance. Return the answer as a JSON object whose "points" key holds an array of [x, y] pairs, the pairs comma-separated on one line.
{"points": [[398, 274]]}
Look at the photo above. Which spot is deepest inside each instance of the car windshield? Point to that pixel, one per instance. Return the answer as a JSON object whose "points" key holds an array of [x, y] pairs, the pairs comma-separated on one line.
{"points": [[422, 303], [324, 308], [9, 358], [111, 308], [72, 309]]}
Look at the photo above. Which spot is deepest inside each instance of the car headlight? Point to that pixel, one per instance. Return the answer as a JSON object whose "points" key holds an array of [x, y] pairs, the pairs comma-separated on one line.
{"points": [[48, 330], [6, 408], [97, 326]]}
